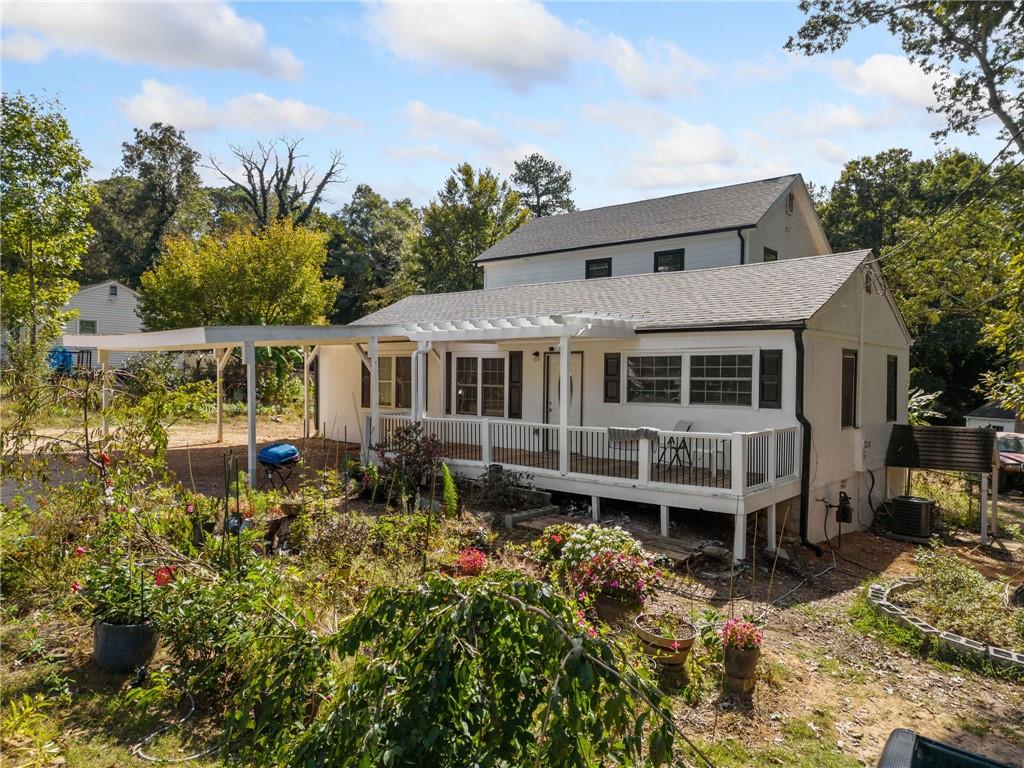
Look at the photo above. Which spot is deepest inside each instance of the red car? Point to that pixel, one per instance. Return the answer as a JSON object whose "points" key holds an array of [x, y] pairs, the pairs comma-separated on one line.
{"points": [[1011, 459]]}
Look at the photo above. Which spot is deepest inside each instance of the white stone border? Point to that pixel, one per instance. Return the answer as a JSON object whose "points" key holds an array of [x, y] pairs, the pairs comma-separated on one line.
{"points": [[957, 645]]}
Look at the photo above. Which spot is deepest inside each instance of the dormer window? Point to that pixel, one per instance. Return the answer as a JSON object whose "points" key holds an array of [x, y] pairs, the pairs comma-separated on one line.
{"points": [[113, 291], [669, 261], [598, 268]]}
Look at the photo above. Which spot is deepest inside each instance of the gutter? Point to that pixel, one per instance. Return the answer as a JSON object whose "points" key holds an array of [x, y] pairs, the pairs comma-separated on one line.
{"points": [[784, 326], [805, 453], [743, 245]]}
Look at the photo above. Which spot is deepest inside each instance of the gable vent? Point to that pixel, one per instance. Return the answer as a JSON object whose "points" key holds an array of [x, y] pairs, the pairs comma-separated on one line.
{"points": [[790, 202]]}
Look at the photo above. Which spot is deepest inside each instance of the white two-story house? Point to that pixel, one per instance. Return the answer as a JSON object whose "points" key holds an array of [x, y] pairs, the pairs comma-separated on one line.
{"points": [[703, 351]]}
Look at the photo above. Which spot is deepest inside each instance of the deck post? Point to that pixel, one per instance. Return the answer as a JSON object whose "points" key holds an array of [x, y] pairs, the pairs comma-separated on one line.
{"points": [[772, 444], [643, 474], [771, 528], [563, 405], [374, 436], [595, 508], [104, 356], [739, 538], [485, 441], [249, 353], [738, 468], [664, 520], [984, 509], [220, 359]]}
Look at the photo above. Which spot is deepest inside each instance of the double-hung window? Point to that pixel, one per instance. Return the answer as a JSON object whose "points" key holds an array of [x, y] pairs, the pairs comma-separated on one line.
{"points": [[394, 386], [385, 382], [87, 326], [654, 379], [721, 379], [467, 380], [492, 386]]}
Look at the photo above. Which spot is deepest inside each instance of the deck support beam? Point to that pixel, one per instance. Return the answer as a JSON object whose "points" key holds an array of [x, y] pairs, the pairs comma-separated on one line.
{"points": [[664, 521], [564, 354], [220, 359], [249, 355], [595, 508], [739, 538], [104, 357], [772, 540]]}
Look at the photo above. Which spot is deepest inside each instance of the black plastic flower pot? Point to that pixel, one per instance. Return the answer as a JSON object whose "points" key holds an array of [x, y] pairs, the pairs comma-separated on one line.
{"points": [[123, 647]]}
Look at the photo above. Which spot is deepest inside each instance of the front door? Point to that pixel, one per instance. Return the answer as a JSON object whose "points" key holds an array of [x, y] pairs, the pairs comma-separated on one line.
{"points": [[553, 390]]}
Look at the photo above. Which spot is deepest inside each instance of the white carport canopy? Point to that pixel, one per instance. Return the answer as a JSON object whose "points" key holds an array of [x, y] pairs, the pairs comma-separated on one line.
{"points": [[224, 339]]}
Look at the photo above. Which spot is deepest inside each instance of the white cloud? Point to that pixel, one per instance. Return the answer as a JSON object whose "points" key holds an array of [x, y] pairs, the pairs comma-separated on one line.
{"points": [[892, 77], [420, 152], [629, 117], [523, 44], [519, 43], [158, 102], [692, 156], [829, 151], [426, 122], [21, 46], [664, 72], [174, 35]]}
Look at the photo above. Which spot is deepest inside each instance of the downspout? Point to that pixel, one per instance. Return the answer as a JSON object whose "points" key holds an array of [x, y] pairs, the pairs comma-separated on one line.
{"points": [[805, 453], [743, 245]]}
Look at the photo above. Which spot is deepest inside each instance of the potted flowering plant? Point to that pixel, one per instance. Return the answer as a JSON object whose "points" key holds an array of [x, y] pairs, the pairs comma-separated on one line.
{"points": [[616, 583], [741, 647], [666, 638], [119, 595]]}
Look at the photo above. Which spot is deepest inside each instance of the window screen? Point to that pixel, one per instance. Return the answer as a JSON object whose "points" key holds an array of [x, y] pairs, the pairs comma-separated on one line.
{"points": [[654, 379], [721, 379]]}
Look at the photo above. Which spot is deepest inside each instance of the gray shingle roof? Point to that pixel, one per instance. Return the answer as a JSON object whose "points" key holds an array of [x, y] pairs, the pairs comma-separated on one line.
{"points": [[770, 293], [705, 210], [992, 410]]}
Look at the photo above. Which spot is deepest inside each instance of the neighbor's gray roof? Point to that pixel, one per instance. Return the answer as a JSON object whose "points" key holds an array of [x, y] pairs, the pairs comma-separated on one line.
{"points": [[993, 410], [705, 210], [780, 292]]}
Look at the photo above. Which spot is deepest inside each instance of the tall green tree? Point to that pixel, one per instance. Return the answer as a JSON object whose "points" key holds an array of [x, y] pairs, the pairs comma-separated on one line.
{"points": [[372, 239], [46, 197], [273, 277], [544, 186], [471, 213], [975, 50], [155, 193]]}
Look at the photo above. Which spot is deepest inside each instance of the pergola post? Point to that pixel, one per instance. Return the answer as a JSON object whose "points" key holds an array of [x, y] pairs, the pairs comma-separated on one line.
{"points": [[374, 436], [563, 406], [220, 358], [104, 357], [249, 356], [308, 355], [424, 402], [414, 383]]}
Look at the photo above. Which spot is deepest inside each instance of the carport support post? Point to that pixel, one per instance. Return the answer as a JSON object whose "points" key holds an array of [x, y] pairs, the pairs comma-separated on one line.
{"points": [[220, 358], [308, 354], [104, 356], [563, 405], [249, 355], [984, 509]]}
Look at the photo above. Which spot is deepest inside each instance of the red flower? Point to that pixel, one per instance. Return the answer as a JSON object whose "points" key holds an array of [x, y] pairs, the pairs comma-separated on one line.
{"points": [[164, 575], [79, 551], [75, 586], [105, 458], [556, 538], [471, 562], [108, 481]]}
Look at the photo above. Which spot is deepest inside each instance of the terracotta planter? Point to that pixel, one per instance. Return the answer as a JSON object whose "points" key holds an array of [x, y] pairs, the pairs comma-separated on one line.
{"points": [[740, 666], [613, 612], [666, 651], [123, 647]]}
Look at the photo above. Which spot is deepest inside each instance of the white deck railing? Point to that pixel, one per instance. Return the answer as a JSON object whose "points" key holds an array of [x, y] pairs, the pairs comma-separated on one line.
{"points": [[738, 462]]}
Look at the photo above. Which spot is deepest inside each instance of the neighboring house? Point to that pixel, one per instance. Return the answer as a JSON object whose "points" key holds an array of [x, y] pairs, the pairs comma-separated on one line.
{"points": [[994, 416], [103, 308], [768, 375]]}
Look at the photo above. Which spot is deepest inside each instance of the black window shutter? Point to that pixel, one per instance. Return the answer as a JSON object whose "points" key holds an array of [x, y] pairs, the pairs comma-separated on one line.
{"points": [[365, 388], [771, 378], [515, 385], [892, 364], [447, 382], [612, 377]]}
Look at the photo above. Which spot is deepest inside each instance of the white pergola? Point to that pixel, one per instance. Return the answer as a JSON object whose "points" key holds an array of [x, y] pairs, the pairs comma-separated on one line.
{"points": [[223, 340]]}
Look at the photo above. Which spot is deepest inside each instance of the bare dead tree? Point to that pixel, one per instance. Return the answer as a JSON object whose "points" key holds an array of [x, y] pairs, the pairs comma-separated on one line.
{"points": [[277, 185]]}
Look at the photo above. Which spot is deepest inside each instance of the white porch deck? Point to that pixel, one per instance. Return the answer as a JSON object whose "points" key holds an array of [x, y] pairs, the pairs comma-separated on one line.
{"points": [[731, 473]]}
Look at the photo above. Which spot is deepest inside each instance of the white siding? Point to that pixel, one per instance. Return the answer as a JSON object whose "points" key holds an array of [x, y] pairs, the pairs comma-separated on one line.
{"points": [[702, 251], [791, 235], [112, 314]]}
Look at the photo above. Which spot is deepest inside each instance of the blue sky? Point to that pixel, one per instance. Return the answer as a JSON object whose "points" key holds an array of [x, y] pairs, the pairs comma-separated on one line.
{"points": [[637, 100]]}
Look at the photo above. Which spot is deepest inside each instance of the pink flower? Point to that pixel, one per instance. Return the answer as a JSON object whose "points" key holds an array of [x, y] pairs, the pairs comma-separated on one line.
{"points": [[75, 586], [190, 508], [674, 645], [79, 551], [556, 538]]}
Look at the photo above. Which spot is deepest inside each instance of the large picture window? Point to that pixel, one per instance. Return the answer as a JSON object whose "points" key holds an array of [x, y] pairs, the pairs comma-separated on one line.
{"points": [[654, 379], [721, 379], [493, 386], [466, 382]]}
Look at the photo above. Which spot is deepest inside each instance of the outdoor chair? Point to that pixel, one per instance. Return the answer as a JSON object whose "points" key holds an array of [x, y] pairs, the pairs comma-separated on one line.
{"points": [[677, 448]]}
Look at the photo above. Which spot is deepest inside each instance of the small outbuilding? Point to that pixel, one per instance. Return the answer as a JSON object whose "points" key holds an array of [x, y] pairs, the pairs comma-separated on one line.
{"points": [[994, 416]]}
